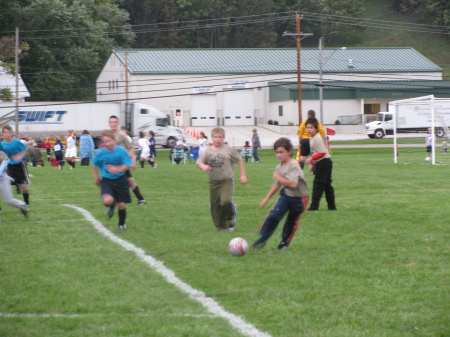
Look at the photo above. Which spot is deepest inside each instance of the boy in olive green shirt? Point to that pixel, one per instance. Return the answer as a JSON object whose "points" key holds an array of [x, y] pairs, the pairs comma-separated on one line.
{"points": [[218, 161]]}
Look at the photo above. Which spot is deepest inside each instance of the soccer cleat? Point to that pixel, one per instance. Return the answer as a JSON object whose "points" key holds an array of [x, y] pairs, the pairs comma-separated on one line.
{"points": [[258, 244], [110, 211], [25, 212], [155, 166], [231, 229], [123, 227], [282, 245], [142, 202]]}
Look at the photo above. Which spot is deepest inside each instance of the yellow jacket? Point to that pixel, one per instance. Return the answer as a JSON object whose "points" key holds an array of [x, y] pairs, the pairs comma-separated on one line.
{"points": [[302, 130]]}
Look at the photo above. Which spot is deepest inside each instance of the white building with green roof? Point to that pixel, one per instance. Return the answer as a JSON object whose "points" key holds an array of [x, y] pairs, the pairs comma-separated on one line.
{"points": [[209, 87]]}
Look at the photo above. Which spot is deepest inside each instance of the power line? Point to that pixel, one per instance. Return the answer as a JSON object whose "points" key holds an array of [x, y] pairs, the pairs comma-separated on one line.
{"points": [[242, 20]]}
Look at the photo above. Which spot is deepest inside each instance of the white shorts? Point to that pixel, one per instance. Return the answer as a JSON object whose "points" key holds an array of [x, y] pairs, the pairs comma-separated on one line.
{"points": [[71, 153], [145, 152]]}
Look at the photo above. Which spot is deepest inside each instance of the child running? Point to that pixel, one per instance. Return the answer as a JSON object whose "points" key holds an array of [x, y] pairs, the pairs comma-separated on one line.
{"points": [[293, 197], [113, 161], [218, 161], [5, 187], [17, 167]]}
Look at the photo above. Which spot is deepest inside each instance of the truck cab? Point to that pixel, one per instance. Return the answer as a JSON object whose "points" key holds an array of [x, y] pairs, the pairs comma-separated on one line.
{"points": [[147, 118], [383, 125]]}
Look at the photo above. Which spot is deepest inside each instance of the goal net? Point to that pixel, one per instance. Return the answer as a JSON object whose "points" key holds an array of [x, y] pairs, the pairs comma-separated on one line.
{"points": [[421, 130]]}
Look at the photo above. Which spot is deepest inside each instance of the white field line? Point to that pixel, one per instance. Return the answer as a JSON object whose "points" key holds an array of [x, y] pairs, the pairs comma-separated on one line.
{"points": [[56, 315], [209, 303]]}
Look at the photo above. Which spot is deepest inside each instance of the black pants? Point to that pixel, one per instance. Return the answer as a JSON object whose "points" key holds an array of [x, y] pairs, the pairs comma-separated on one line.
{"points": [[322, 183], [85, 161]]}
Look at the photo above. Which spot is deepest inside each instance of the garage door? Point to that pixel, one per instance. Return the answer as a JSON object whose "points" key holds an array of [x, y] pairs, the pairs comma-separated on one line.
{"points": [[238, 108], [203, 110]]}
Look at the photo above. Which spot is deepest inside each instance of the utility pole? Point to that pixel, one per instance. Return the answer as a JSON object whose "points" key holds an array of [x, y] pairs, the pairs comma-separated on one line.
{"points": [[321, 64], [298, 37], [126, 52], [126, 77], [321, 77], [17, 79]]}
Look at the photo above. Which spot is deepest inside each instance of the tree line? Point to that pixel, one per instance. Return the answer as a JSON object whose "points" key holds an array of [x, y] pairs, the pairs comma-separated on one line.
{"points": [[65, 43]]}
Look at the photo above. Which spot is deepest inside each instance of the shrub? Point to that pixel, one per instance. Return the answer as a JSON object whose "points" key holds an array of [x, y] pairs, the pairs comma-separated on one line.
{"points": [[275, 122], [337, 122], [270, 122]]}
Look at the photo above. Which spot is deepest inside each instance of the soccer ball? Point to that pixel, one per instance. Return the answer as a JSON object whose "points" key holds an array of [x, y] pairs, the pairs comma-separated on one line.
{"points": [[238, 247]]}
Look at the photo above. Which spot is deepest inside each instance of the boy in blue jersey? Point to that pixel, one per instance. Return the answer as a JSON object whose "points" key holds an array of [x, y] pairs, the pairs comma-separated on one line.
{"points": [[17, 167], [112, 161]]}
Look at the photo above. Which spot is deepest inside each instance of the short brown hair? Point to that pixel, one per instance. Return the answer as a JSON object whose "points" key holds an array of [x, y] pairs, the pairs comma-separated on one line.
{"points": [[218, 130], [311, 113], [284, 143], [7, 127]]}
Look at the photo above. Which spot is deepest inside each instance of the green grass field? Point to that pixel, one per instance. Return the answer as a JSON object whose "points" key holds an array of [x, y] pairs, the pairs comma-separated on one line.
{"points": [[377, 267]]}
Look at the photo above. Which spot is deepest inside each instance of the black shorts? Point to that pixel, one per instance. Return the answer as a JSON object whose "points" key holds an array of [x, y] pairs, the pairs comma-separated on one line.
{"points": [[305, 149], [19, 173], [128, 174], [118, 188]]}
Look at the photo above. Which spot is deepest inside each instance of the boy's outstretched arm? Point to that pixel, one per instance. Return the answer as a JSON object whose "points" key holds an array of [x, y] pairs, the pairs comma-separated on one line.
{"points": [[242, 172], [273, 190]]}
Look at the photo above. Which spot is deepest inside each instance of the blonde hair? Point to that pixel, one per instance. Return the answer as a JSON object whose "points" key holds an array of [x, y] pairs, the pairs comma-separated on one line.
{"points": [[109, 133], [219, 131]]}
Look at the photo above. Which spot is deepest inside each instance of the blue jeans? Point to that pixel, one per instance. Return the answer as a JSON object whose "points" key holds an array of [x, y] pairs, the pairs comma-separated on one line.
{"points": [[255, 153], [294, 206]]}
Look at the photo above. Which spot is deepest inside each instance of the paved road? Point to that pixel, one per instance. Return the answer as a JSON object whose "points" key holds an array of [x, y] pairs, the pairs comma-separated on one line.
{"points": [[237, 135]]}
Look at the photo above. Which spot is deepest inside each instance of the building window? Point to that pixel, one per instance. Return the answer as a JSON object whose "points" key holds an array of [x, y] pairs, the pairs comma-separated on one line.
{"points": [[371, 109], [280, 110]]}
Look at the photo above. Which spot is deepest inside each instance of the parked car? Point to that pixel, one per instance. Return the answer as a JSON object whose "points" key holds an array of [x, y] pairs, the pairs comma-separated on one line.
{"points": [[38, 140]]}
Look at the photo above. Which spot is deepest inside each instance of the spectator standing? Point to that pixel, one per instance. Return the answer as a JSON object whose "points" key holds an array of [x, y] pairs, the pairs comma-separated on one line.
{"points": [[152, 143], [256, 144], [444, 147], [87, 148], [429, 145]]}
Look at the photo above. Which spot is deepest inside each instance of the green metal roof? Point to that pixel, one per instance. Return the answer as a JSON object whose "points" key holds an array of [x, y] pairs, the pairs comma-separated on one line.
{"points": [[268, 61], [280, 91]]}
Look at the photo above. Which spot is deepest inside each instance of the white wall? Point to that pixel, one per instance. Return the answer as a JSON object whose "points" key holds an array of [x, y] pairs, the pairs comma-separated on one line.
{"points": [[167, 92]]}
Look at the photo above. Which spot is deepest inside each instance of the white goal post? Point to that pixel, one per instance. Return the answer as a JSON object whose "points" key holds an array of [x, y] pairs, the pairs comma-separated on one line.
{"points": [[419, 122]]}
